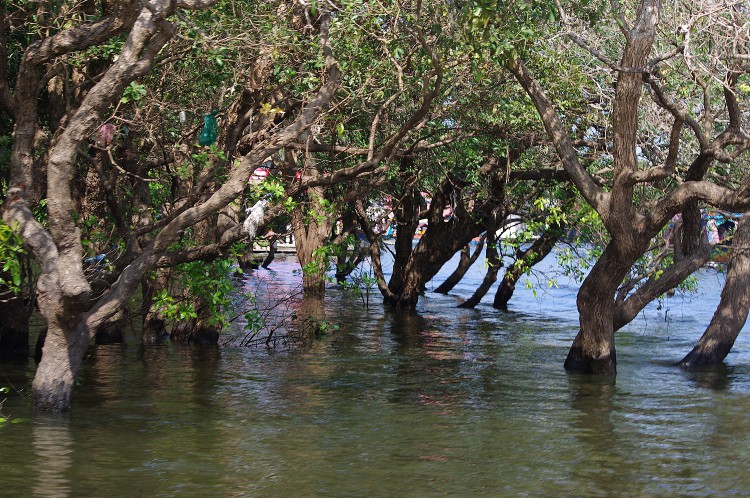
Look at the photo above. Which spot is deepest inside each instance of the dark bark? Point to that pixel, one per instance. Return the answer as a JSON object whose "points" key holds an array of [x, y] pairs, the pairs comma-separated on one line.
{"points": [[731, 313], [494, 263], [154, 330], [467, 259], [272, 248], [195, 331], [525, 259], [14, 329], [347, 259], [593, 350], [154, 323], [628, 307], [112, 332], [416, 265]]}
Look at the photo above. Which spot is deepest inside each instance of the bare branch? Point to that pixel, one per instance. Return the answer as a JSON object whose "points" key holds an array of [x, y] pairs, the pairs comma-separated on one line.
{"points": [[595, 195]]}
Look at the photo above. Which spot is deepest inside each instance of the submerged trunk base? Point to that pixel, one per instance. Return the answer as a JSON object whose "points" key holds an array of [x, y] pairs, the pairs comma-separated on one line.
{"points": [[577, 362], [702, 355], [192, 332]]}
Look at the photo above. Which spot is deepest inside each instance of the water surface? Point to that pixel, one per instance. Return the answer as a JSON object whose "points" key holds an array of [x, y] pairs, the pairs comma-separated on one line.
{"points": [[444, 401]]}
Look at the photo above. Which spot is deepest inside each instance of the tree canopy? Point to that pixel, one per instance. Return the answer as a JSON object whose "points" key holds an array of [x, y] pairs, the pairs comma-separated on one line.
{"points": [[130, 133]]}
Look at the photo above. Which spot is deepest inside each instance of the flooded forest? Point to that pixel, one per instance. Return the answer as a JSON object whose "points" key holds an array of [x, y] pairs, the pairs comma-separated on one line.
{"points": [[346, 248]]}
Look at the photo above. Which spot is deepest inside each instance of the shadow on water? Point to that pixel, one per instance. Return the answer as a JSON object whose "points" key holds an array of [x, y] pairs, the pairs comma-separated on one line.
{"points": [[717, 377]]}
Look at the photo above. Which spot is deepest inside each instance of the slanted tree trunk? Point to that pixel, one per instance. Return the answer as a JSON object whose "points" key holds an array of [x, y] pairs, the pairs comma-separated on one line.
{"points": [[593, 350], [731, 314], [467, 259], [525, 259], [347, 259], [494, 263], [416, 265], [63, 293]]}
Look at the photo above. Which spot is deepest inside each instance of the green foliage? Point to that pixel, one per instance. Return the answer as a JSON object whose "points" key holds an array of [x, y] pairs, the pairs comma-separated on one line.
{"points": [[209, 283], [360, 284], [133, 93], [11, 251], [318, 327]]}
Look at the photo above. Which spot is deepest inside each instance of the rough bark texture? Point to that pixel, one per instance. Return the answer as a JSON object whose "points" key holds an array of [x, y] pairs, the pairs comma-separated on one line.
{"points": [[56, 374], [593, 350], [63, 292], [442, 238], [310, 234], [731, 313]]}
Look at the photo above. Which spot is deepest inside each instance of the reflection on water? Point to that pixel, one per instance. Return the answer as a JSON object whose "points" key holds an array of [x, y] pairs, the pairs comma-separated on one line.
{"points": [[53, 447], [439, 402]]}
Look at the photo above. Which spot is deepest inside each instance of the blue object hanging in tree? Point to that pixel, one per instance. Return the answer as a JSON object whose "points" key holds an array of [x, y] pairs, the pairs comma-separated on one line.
{"points": [[210, 128]]}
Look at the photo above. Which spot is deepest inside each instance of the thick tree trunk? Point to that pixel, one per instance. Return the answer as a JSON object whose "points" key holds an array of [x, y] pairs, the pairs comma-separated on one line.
{"points": [[309, 236], [731, 314], [195, 331], [56, 373], [465, 262], [593, 350], [416, 265]]}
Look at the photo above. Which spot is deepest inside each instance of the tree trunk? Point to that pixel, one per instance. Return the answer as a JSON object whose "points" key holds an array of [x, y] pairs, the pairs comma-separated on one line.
{"points": [[524, 259], [154, 328], [112, 332], [593, 350], [272, 248], [731, 314], [309, 236], [494, 263], [56, 374], [464, 263], [196, 330]]}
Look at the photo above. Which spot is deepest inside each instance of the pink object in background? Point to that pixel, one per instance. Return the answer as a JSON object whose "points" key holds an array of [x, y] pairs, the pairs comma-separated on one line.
{"points": [[259, 174], [106, 134]]}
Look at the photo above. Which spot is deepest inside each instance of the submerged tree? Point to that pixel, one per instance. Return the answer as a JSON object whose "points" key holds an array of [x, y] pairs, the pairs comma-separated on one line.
{"points": [[65, 298], [653, 178], [731, 313]]}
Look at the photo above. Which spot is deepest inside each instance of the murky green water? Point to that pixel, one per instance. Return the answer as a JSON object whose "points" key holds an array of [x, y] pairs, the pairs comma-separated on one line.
{"points": [[444, 402]]}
